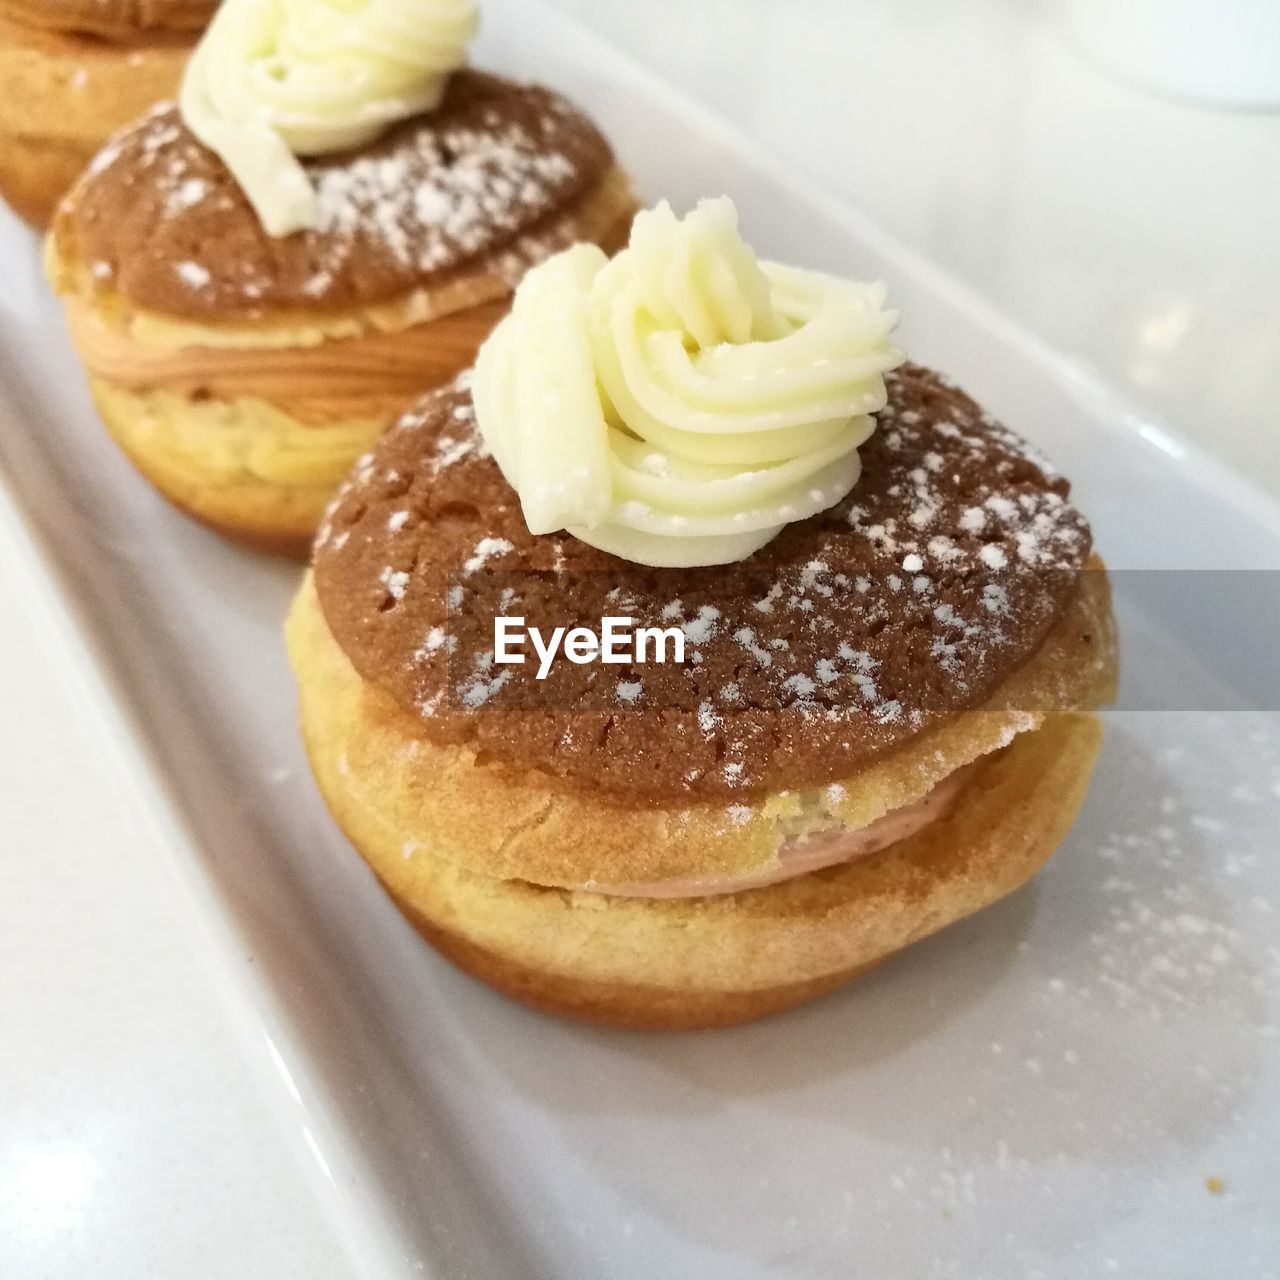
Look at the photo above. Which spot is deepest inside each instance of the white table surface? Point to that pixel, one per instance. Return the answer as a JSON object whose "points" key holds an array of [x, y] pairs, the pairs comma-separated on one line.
{"points": [[135, 1138], [1138, 236]]}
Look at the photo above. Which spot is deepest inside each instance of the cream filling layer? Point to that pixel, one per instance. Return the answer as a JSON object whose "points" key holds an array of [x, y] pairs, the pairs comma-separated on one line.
{"points": [[801, 855], [333, 380]]}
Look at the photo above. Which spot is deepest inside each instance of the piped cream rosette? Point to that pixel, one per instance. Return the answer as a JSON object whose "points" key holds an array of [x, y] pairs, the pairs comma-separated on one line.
{"points": [[684, 402], [273, 80]]}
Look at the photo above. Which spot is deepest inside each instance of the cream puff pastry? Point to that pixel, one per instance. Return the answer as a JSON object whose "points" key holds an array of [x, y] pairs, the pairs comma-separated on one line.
{"points": [[895, 636], [245, 338], [72, 72]]}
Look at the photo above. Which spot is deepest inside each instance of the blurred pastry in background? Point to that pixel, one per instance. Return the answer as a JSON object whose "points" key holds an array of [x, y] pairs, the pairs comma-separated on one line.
{"points": [[72, 72], [260, 279], [893, 635]]}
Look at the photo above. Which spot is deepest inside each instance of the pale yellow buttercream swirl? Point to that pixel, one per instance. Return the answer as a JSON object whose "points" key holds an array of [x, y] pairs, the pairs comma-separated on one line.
{"points": [[684, 402], [273, 80]]}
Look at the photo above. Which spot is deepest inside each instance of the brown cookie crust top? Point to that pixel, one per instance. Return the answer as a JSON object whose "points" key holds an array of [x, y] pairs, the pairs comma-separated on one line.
{"points": [[159, 220], [845, 637], [112, 19]]}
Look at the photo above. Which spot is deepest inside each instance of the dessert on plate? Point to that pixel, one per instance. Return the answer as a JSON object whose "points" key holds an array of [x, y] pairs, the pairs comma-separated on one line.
{"points": [[72, 72], [894, 636], [260, 278]]}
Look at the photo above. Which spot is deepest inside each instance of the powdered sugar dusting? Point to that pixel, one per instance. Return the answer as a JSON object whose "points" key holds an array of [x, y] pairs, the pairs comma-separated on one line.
{"points": [[477, 178], [939, 575], [192, 274], [395, 581], [486, 549], [443, 200]]}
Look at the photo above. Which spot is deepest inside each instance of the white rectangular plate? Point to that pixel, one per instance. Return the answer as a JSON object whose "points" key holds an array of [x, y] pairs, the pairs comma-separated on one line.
{"points": [[1042, 1090]]}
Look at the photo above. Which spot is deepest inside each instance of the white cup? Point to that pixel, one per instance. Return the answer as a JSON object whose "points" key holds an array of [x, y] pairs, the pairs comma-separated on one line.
{"points": [[1219, 52]]}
